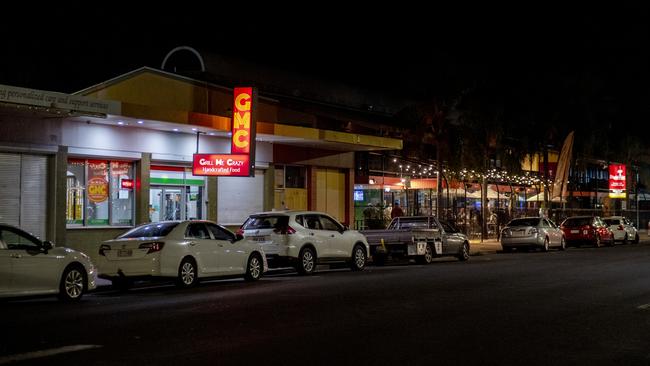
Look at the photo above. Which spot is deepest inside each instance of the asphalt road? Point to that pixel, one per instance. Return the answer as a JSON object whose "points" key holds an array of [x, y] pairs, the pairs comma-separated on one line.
{"points": [[585, 306]]}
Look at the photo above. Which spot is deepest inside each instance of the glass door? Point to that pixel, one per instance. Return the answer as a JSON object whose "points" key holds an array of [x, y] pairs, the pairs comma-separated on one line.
{"points": [[166, 203]]}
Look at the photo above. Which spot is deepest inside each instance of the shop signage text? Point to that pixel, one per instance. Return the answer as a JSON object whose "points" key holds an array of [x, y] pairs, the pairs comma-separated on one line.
{"points": [[617, 181], [242, 126], [228, 165], [46, 99], [127, 184], [97, 190]]}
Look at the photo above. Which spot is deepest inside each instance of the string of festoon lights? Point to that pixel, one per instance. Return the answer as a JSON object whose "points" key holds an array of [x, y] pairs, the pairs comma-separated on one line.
{"points": [[419, 170]]}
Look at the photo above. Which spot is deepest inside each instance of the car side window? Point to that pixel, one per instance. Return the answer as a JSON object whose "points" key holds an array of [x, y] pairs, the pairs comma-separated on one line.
{"points": [[300, 221], [445, 226], [329, 224], [312, 222], [14, 240], [219, 233], [197, 231]]}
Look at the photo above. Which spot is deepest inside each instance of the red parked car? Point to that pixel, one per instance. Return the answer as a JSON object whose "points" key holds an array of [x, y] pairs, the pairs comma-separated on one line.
{"points": [[586, 230]]}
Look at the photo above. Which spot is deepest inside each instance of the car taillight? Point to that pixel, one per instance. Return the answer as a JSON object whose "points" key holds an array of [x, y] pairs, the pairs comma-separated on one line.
{"points": [[620, 227], [155, 246], [103, 248], [285, 230]]}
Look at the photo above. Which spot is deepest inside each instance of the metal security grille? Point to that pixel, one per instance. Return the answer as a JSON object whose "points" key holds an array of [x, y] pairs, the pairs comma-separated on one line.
{"points": [[23, 183]]}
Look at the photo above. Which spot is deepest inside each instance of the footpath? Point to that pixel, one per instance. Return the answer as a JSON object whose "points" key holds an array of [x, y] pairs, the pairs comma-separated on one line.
{"points": [[488, 246]]}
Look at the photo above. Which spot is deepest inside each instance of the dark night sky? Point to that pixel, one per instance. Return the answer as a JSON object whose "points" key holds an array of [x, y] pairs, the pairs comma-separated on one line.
{"points": [[414, 50]]}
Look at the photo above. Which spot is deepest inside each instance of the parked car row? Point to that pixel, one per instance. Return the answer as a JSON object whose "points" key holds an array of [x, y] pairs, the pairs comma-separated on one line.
{"points": [[188, 251], [542, 233]]}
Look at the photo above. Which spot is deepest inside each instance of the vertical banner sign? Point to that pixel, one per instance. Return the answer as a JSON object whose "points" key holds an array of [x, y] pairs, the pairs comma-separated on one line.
{"points": [[241, 160], [617, 179], [243, 124]]}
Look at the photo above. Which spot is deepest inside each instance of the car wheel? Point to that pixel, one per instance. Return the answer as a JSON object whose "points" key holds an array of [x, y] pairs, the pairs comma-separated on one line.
{"points": [[306, 261], [73, 283], [545, 247], [427, 258], [187, 273], [464, 252], [597, 241], [625, 239], [636, 239], [254, 268], [358, 262], [562, 244]]}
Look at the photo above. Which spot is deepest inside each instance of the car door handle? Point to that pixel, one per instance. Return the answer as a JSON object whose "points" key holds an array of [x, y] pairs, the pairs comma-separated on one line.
{"points": [[332, 235], [221, 245], [16, 256], [192, 243], [312, 234]]}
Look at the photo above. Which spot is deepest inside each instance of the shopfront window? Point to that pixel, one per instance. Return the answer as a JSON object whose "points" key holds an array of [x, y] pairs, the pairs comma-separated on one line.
{"points": [[121, 194], [96, 195]]}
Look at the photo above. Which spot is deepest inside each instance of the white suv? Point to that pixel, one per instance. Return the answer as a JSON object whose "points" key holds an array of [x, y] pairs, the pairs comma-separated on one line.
{"points": [[622, 228], [302, 239]]}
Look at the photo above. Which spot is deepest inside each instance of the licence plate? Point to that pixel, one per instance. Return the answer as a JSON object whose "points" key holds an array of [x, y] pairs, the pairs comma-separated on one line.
{"points": [[124, 252], [575, 231], [257, 238]]}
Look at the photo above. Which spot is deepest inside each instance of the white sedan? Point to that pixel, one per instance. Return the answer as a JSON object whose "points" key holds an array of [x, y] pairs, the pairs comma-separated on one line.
{"points": [[186, 251], [29, 266]]}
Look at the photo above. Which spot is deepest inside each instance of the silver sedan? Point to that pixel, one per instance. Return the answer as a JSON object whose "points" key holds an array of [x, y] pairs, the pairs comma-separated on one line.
{"points": [[532, 232]]}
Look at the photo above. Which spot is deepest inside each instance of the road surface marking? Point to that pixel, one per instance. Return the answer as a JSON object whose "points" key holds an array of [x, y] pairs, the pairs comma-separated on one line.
{"points": [[46, 353], [644, 307]]}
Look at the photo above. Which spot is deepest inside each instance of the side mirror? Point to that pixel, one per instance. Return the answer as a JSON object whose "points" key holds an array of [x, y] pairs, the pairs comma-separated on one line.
{"points": [[239, 237], [47, 245], [345, 228]]}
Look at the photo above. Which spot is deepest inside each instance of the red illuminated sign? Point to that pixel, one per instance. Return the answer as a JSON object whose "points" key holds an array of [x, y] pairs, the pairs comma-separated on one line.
{"points": [[228, 165], [617, 181], [243, 129], [127, 184]]}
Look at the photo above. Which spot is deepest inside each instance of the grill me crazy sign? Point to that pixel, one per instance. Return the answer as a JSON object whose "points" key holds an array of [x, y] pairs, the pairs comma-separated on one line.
{"points": [[239, 162]]}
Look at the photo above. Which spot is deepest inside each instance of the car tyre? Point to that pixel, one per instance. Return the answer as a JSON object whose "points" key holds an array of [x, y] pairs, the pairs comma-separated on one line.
{"points": [[254, 268], [464, 252], [306, 261], [427, 258], [187, 273], [73, 283], [358, 260]]}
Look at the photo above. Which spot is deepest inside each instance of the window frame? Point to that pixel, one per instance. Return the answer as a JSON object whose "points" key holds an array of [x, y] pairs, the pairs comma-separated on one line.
{"points": [[111, 191]]}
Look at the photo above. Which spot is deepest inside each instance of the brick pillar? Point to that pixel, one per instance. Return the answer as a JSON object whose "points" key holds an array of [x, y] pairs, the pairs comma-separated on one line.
{"points": [[213, 198], [142, 175], [57, 196]]}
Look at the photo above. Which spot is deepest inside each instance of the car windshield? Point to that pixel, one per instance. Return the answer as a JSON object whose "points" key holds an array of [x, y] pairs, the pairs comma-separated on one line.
{"points": [[612, 222], [266, 222], [524, 222], [150, 230], [578, 221]]}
